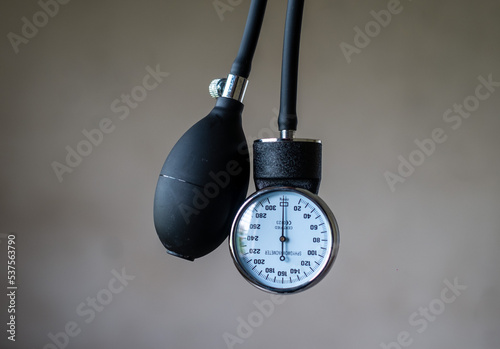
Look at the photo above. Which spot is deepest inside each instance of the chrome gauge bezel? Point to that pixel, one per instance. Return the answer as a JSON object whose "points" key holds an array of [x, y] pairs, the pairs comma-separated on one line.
{"points": [[334, 238]]}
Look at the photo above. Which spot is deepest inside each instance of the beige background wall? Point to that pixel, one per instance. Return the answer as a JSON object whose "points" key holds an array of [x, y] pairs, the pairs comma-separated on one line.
{"points": [[397, 248]]}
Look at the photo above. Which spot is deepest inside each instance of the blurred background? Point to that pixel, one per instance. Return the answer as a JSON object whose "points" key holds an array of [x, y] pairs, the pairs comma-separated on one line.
{"points": [[63, 70]]}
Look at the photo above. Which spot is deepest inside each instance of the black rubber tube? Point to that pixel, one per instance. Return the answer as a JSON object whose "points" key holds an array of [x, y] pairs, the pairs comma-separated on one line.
{"points": [[287, 119], [243, 62]]}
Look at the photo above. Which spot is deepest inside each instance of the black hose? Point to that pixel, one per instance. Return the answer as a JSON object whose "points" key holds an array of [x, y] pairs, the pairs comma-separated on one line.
{"points": [[287, 119], [243, 62]]}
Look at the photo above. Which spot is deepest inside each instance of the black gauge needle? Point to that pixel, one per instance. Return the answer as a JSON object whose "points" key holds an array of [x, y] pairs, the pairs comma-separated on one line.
{"points": [[282, 238]]}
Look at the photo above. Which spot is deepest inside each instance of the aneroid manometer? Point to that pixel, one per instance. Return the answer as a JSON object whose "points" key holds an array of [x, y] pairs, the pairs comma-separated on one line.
{"points": [[284, 238]]}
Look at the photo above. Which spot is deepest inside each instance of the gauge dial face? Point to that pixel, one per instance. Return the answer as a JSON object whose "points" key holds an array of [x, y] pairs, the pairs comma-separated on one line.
{"points": [[284, 240]]}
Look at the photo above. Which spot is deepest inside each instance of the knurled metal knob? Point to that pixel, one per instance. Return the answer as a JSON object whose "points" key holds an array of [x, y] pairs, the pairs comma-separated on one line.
{"points": [[216, 87]]}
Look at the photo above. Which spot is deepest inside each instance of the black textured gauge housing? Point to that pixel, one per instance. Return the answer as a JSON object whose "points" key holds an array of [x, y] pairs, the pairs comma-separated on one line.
{"points": [[203, 183], [287, 162]]}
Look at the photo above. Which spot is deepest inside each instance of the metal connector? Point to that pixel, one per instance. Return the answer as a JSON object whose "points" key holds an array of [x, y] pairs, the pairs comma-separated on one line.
{"points": [[287, 134], [235, 87]]}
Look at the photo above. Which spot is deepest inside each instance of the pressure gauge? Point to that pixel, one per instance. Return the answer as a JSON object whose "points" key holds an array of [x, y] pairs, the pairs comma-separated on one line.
{"points": [[284, 239]]}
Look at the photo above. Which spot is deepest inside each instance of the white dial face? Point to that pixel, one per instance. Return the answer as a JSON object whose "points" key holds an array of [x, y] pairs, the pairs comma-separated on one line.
{"points": [[284, 239]]}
